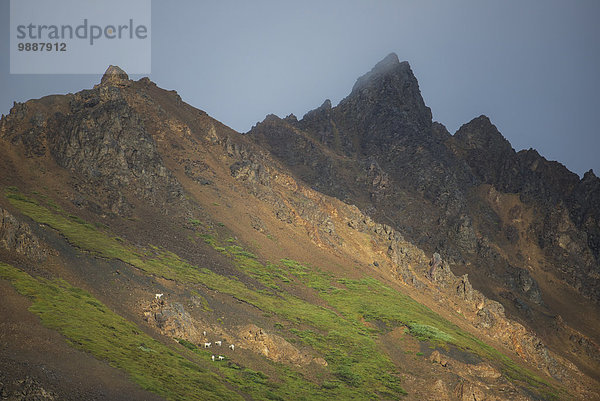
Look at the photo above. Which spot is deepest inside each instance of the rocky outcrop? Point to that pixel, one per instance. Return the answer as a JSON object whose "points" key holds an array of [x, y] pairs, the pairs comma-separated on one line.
{"points": [[25, 389], [439, 391], [16, 236], [488, 316], [465, 291], [387, 103], [489, 155], [274, 347], [22, 126], [466, 391], [173, 320], [484, 370], [108, 146], [98, 136], [322, 126], [115, 76], [473, 381], [436, 357]]}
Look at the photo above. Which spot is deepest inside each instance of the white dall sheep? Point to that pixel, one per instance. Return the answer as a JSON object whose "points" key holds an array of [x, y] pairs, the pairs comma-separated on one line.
{"points": [[207, 345], [218, 343], [204, 333], [232, 347], [221, 357], [213, 358], [158, 296]]}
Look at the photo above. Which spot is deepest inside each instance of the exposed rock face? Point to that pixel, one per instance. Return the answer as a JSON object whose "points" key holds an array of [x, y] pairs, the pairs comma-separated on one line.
{"points": [[464, 289], [466, 391], [173, 320], [17, 236], [435, 264], [290, 203], [479, 381], [108, 144], [484, 371], [436, 357], [101, 138], [567, 206], [115, 76], [320, 120], [385, 102], [274, 347], [484, 149], [440, 391]]}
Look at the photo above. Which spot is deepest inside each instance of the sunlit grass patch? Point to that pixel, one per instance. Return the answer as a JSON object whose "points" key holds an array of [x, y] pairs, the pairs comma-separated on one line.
{"points": [[425, 332]]}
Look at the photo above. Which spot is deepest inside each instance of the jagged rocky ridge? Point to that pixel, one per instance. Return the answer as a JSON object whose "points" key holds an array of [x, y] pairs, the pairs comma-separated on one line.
{"points": [[380, 149]]}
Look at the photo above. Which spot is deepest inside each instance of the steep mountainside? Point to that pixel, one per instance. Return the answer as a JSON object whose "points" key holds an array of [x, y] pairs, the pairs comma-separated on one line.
{"points": [[514, 221], [362, 252]]}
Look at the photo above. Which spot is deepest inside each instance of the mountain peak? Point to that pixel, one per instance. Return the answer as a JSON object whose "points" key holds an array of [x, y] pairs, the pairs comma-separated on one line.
{"points": [[480, 133], [115, 76], [385, 104], [388, 61], [589, 176], [326, 104], [389, 66]]}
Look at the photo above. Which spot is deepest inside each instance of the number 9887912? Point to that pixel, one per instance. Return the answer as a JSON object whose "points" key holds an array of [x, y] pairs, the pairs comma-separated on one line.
{"points": [[41, 47]]}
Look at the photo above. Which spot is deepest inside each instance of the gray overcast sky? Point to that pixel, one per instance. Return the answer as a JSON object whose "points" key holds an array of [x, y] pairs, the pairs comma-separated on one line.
{"points": [[531, 66]]}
